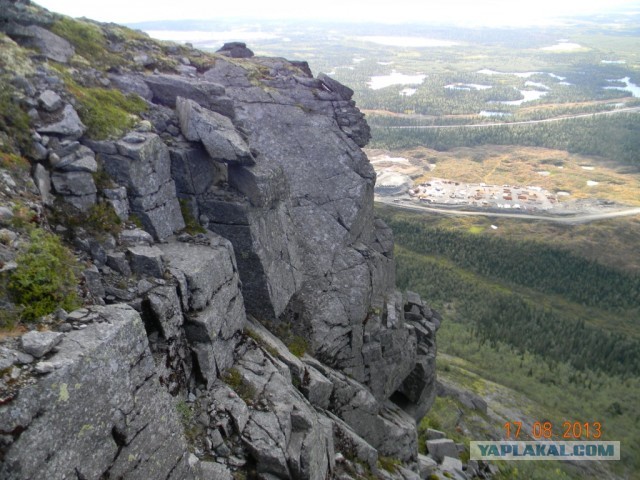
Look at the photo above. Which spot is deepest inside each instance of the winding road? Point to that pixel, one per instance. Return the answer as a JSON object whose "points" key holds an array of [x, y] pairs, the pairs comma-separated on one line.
{"points": [[527, 122], [564, 219]]}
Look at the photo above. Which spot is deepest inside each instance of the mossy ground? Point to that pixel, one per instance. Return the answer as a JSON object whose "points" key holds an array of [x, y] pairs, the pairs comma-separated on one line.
{"points": [[88, 40], [107, 113]]}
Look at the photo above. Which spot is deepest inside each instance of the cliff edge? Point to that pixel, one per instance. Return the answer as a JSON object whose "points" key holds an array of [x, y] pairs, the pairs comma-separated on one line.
{"points": [[238, 309]]}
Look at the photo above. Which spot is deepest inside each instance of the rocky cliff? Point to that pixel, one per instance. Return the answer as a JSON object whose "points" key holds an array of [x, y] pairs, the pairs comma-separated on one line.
{"points": [[240, 314]]}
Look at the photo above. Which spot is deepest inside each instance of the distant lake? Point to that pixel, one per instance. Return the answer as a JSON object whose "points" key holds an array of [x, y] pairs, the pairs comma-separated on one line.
{"points": [[488, 71], [407, 41], [394, 78], [467, 86], [487, 113], [564, 47], [629, 86], [529, 96]]}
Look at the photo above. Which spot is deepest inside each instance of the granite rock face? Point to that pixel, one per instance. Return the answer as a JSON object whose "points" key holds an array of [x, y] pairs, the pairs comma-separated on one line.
{"points": [[124, 423], [142, 164], [213, 304], [333, 279], [183, 365]]}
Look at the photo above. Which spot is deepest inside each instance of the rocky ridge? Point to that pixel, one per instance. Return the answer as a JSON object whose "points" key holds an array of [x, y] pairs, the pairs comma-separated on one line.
{"points": [[180, 364]]}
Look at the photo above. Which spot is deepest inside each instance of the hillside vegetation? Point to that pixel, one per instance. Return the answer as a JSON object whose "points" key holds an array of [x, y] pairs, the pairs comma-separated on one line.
{"points": [[531, 315]]}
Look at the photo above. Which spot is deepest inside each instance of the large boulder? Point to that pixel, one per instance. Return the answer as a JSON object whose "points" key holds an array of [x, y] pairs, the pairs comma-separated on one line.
{"points": [[124, 424], [76, 188], [212, 300], [165, 89], [68, 124], [235, 50], [215, 131], [143, 166], [48, 43]]}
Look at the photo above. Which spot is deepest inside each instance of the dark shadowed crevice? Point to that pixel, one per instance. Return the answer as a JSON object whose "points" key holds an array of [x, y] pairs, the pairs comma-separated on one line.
{"points": [[196, 370], [401, 400], [149, 318]]}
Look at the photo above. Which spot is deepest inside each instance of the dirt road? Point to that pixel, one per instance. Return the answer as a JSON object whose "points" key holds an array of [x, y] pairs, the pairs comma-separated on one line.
{"points": [[565, 219]]}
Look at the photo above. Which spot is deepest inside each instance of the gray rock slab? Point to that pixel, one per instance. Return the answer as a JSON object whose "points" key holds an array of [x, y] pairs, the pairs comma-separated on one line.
{"points": [[39, 344], [136, 236], [50, 45], [213, 470], [442, 447], [103, 379], [235, 50], [206, 267], [9, 357], [132, 84], [217, 133], [73, 183], [146, 261], [43, 182], [228, 401], [143, 166], [82, 202], [349, 443], [435, 434], [316, 387], [118, 262], [50, 100], [453, 466], [294, 364], [266, 441], [427, 465], [166, 88], [69, 125], [117, 197], [73, 163], [194, 171], [289, 439]]}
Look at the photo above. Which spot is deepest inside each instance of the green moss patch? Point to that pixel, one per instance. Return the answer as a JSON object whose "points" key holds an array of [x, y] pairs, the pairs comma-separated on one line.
{"points": [[298, 345], [88, 40], [106, 112], [45, 278], [14, 122], [192, 226]]}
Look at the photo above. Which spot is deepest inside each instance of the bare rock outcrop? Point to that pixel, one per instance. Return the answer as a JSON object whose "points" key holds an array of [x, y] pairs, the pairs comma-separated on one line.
{"points": [[273, 340], [100, 412], [142, 164]]}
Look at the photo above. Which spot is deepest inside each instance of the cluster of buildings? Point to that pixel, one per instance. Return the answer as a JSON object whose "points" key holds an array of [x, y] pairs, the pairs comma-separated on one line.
{"points": [[448, 192]]}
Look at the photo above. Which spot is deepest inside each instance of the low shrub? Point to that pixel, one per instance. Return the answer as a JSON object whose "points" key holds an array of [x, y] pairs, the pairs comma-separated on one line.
{"points": [[45, 278], [298, 345]]}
